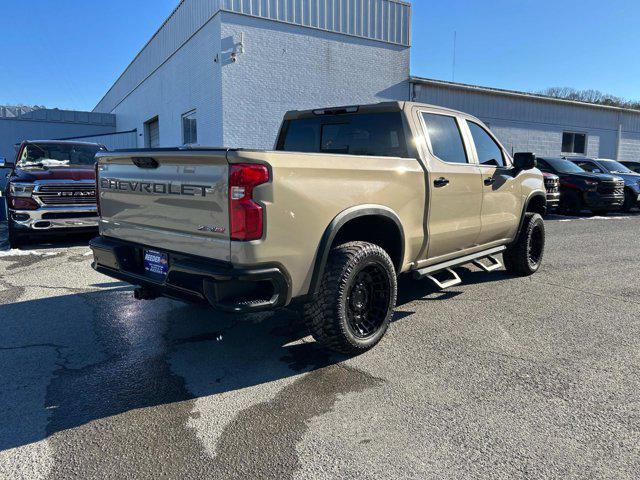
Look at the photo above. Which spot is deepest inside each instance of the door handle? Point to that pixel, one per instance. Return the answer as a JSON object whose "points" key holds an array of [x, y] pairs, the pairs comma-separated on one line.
{"points": [[489, 181], [441, 182]]}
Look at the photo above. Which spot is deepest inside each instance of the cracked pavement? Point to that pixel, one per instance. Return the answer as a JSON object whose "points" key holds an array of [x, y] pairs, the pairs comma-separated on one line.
{"points": [[497, 378]]}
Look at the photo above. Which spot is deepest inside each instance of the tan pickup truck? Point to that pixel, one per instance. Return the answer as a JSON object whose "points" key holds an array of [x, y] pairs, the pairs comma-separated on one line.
{"points": [[350, 198]]}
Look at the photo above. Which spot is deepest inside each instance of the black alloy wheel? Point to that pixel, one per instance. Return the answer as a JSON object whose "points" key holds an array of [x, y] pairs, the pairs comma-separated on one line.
{"points": [[368, 301]]}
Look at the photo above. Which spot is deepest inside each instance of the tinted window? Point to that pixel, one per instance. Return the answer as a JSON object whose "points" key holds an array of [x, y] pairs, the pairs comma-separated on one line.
{"points": [[615, 167], [445, 137], [563, 166], [634, 167], [489, 152], [373, 134], [544, 166], [589, 167]]}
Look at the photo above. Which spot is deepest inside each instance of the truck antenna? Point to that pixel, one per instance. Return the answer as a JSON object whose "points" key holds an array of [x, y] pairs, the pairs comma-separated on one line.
{"points": [[453, 68]]}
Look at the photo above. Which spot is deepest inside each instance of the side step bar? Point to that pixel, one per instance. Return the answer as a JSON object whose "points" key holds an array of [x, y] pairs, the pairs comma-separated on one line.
{"points": [[494, 264], [427, 272], [443, 284]]}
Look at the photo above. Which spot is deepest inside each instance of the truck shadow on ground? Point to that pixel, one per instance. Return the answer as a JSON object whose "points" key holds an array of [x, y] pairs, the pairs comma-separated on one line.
{"points": [[52, 242], [72, 359]]}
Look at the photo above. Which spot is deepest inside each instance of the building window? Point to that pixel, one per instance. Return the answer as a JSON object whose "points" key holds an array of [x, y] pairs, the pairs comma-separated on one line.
{"points": [[152, 133], [574, 143], [189, 128]]}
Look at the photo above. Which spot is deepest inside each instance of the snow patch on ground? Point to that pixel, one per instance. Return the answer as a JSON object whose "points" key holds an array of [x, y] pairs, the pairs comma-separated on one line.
{"points": [[593, 218], [16, 252]]}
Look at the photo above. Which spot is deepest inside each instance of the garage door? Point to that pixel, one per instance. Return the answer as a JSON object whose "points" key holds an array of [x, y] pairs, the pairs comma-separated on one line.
{"points": [[153, 133]]}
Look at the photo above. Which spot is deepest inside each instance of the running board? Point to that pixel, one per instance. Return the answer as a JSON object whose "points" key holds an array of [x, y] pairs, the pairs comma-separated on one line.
{"points": [[494, 264], [429, 271]]}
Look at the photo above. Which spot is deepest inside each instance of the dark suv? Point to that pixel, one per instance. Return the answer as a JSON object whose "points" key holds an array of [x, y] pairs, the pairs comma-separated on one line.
{"points": [[631, 179], [580, 189]]}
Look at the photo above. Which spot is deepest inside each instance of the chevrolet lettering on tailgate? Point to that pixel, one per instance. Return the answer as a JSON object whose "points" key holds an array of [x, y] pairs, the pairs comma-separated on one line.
{"points": [[153, 188]]}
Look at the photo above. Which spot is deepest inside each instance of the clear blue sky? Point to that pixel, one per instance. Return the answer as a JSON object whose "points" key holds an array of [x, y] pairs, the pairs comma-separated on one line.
{"points": [[67, 53]]}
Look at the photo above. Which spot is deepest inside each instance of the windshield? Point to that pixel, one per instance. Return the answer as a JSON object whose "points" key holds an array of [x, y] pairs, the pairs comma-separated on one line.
{"points": [[615, 167], [564, 166], [57, 155]]}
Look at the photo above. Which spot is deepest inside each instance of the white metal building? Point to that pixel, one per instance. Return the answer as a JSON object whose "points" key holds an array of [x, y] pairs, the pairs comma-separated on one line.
{"points": [[223, 72], [535, 123]]}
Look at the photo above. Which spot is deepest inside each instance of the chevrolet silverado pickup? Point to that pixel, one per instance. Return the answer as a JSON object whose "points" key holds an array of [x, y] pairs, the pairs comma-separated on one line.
{"points": [[51, 188], [350, 198]]}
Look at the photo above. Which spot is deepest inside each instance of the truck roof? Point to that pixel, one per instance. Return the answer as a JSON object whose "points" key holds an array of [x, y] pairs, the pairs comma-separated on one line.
{"points": [[64, 142], [368, 108]]}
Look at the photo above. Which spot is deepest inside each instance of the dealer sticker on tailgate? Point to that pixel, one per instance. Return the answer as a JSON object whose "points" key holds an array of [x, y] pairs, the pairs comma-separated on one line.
{"points": [[156, 262]]}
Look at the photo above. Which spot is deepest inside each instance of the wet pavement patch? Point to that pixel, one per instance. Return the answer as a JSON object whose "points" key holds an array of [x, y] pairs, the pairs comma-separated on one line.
{"points": [[125, 416], [261, 441]]}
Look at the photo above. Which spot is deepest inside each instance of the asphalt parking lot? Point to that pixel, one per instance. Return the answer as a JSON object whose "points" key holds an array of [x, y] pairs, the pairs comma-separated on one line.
{"points": [[497, 378]]}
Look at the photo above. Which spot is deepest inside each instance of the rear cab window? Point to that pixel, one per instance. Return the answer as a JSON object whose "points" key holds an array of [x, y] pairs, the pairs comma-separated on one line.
{"points": [[370, 134]]}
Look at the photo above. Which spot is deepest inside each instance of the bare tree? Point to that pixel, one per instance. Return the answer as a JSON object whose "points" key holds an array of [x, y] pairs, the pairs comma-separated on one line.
{"points": [[589, 95]]}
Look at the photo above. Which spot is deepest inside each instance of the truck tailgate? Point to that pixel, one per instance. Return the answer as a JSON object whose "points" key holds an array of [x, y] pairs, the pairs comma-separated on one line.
{"points": [[175, 200]]}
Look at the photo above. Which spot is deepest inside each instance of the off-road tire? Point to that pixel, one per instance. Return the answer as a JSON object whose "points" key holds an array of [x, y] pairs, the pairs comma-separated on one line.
{"points": [[330, 316], [629, 200], [14, 238], [571, 203], [524, 256]]}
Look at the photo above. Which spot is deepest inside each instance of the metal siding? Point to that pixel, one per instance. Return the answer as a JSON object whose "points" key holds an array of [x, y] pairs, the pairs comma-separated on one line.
{"points": [[114, 141], [388, 21], [47, 124], [533, 124]]}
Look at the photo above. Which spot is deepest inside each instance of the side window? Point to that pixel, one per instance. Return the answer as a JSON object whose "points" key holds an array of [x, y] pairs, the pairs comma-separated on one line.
{"points": [[445, 137], [589, 167], [489, 152], [544, 167]]}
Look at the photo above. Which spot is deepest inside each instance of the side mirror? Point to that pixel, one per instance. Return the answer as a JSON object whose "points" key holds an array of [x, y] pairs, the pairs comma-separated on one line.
{"points": [[524, 161]]}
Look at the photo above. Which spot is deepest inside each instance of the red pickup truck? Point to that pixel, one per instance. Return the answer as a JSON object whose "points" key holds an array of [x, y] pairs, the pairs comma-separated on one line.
{"points": [[51, 189]]}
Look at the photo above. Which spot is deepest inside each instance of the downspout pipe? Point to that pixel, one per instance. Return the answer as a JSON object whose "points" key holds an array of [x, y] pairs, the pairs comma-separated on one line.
{"points": [[619, 139]]}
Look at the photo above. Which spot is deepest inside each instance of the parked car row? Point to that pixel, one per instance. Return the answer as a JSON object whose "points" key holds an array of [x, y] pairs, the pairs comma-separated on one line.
{"points": [[598, 185]]}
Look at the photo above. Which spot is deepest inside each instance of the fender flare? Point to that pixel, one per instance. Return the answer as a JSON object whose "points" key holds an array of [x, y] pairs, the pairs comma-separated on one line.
{"points": [[525, 207], [333, 229]]}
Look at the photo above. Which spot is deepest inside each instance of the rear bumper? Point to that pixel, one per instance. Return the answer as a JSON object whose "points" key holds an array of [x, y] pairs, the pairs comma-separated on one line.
{"points": [[196, 279], [55, 218]]}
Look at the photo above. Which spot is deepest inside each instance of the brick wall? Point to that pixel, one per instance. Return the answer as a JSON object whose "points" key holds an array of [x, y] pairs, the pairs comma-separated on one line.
{"points": [[288, 67]]}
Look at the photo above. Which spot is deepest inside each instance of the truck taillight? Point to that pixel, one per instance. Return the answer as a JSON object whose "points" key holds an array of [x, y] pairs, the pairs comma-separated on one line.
{"points": [[97, 187], [245, 215]]}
